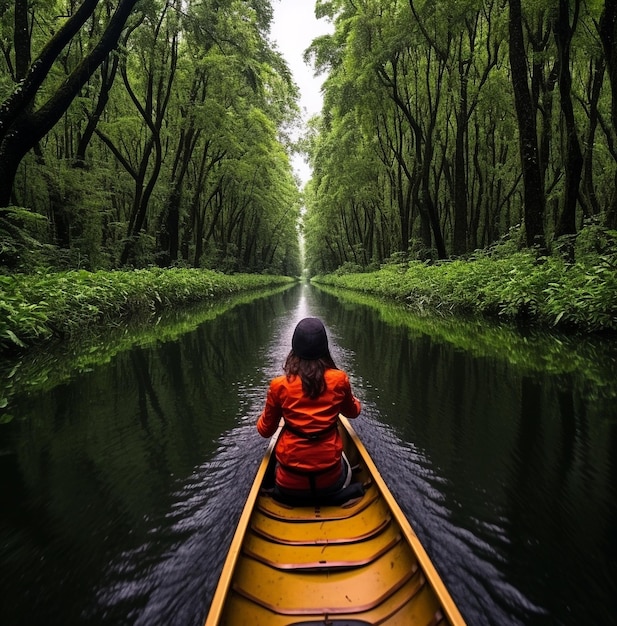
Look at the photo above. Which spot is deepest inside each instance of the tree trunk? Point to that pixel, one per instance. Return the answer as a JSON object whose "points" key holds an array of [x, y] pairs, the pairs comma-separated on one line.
{"points": [[169, 227], [574, 157], [22, 40], [460, 163], [427, 204], [108, 75], [533, 194], [591, 202], [608, 35], [152, 111]]}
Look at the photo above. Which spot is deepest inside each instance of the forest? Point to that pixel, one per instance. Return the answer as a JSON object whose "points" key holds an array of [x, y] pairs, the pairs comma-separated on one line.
{"points": [[159, 134], [137, 133], [450, 125]]}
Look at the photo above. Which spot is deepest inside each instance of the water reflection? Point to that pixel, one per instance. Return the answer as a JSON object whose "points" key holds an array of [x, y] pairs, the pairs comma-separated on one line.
{"points": [[106, 478], [121, 486], [507, 478]]}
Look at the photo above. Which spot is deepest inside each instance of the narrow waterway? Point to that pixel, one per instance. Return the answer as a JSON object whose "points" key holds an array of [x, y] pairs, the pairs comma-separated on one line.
{"points": [[121, 486]]}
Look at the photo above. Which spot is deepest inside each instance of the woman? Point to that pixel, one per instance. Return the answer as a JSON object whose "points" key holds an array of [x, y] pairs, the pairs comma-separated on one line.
{"points": [[309, 397]]}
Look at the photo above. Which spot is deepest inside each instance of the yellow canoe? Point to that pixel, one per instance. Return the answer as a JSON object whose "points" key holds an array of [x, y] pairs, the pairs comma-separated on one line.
{"points": [[351, 565]]}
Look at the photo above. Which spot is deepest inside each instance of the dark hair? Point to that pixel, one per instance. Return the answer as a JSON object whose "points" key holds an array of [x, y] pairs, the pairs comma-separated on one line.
{"points": [[310, 371]]}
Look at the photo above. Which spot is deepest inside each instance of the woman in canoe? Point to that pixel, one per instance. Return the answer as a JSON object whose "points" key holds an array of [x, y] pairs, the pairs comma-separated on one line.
{"points": [[309, 398]]}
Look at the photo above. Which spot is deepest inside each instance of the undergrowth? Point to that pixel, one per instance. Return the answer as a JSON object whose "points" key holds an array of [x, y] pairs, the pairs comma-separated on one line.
{"points": [[40, 306], [549, 290]]}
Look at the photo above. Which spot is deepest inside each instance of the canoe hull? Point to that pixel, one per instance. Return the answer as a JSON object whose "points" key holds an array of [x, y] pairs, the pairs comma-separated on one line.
{"points": [[360, 563]]}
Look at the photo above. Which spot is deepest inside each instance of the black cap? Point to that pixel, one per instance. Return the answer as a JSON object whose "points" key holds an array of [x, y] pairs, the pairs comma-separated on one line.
{"points": [[309, 340]]}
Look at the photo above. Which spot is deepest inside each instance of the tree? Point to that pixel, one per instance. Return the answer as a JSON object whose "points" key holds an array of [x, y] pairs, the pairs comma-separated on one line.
{"points": [[155, 87], [573, 158], [607, 29], [534, 198], [22, 123], [147, 160]]}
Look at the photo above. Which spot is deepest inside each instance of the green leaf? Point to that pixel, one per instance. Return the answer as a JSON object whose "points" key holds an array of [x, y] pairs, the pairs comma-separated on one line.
{"points": [[15, 339], [6, 418]]}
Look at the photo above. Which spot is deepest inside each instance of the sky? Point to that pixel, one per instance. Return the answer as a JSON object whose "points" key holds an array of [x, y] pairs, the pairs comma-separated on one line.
{"points": [[293, 29]]}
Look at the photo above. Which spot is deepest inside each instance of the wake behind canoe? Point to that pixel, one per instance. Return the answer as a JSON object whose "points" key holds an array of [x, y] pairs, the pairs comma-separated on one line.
{"points": [[351, 565]]}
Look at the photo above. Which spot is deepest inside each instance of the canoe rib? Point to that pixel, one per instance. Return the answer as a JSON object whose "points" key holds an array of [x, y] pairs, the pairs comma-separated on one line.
{"points": [[317, 540], [334, 610], [360, 564], [323, 564]]}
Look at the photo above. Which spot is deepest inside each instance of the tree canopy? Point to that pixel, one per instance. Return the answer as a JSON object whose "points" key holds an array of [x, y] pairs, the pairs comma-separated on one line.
{"points": [[135, 132], [449, 125], [141, 132]]}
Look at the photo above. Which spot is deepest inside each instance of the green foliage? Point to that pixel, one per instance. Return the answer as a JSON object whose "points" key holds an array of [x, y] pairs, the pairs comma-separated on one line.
{"points": [[585, 297], [519, 286], [422, 94], [43, 370], [595, 240], [40, 306], [190, 116], [348, 268], [21, 232], [20, 320], [535, 350]]}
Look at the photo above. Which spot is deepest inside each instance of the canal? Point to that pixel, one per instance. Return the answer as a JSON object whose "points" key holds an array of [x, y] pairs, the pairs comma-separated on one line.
{"points": [[121, 484]]}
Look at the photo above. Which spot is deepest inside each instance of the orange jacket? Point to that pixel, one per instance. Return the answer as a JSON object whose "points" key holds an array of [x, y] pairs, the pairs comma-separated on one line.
{"points": [[287, 400]]}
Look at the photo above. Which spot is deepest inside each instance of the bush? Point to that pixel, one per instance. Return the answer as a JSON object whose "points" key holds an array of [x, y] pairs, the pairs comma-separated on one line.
{"points": [[34, 307], [349, 268], [517, 285]]}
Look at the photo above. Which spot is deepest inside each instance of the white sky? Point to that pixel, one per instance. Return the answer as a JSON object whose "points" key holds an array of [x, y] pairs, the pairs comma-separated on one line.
{"points": [[293, 29]]}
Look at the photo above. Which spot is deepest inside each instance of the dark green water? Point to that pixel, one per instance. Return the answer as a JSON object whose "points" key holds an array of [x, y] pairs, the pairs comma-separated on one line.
{"points": [[120, 486]]}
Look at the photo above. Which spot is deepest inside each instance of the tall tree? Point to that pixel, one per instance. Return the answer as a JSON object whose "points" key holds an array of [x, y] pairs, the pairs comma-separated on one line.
{"points": [[607, 29], [22, 123], [564, 28], [156, 86], [534, 198]]}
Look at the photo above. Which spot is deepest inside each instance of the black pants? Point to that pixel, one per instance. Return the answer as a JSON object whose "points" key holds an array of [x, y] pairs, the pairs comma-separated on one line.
{"points": [[330, 493]]}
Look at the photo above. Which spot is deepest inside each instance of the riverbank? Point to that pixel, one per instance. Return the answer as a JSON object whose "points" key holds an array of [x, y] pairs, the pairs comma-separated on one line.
{"points": [[56, 362], [544, 291], [531, 351], [37, 308]]}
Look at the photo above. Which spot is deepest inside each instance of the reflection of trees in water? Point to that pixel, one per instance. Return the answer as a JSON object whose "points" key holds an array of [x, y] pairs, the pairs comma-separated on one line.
{"points": [[516, 435], [145, 388], [190, 381], [590, 359], [94, 464]]}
